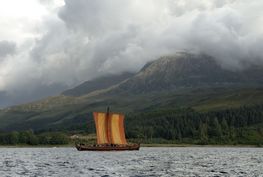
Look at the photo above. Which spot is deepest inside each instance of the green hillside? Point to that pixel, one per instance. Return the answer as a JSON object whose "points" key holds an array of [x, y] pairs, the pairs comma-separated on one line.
{"points": [[74, 113], [242, 125], [182, 84]]}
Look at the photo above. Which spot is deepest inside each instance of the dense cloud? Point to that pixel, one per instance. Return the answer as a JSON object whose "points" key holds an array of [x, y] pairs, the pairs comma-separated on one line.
{"points": [[132, 32], [7, 48], [84, 39], [123, 35]]}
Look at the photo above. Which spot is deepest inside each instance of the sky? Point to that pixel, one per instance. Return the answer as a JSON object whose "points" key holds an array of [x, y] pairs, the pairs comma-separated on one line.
{"points": [[47, 46]]}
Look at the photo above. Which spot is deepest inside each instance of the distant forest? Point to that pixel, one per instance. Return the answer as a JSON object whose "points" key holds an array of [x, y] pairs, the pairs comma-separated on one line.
{"points": [[30, 138], [243, 125]]}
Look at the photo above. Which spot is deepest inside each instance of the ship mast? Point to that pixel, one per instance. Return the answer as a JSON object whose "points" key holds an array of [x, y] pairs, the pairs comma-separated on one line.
{"points": [[108, 110], [108, 124]]}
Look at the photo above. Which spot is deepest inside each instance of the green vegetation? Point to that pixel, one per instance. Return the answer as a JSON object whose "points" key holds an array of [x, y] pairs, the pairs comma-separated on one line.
{"points": [[234, 126], [179, 99], [30, 138], [186, 116], [242, 125], [71, 113]]}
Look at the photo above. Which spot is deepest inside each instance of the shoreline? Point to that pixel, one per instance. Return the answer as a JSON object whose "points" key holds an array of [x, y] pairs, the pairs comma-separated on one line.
{"points": [[195, 145], [142, 145]]}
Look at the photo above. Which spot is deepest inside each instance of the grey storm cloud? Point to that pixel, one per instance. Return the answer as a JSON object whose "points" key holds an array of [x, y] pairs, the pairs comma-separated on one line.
{"points": [[124, 35], [90, 38], [7, 48]]}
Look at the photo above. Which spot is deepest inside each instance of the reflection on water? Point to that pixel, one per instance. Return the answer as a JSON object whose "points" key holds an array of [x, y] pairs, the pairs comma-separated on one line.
{"points": [[146, 162]]}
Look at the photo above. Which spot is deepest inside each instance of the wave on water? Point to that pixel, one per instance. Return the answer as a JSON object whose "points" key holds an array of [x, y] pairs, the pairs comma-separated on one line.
{"points": [[190, 161]]}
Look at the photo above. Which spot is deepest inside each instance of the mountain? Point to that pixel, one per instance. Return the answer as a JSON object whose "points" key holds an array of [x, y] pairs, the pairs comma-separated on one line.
{"points": [[97, 84], [179, 81], [183, 70], [186, 70]]}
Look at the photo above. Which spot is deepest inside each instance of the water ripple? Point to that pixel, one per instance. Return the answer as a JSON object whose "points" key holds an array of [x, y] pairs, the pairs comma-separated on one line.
{"points": [[146, 162]]}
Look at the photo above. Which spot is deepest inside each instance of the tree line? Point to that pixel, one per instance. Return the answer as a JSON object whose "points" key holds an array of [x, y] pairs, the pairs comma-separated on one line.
{"points": [[30, 138], [242, 125]]}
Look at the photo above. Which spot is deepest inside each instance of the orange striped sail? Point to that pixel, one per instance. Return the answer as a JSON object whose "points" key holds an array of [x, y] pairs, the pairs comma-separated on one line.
{"points": [[117, 134], [110, 128], [101, 127]]}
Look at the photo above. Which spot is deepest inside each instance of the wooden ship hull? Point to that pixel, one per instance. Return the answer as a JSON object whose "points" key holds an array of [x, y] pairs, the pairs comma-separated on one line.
{"points": [[107, 147]]}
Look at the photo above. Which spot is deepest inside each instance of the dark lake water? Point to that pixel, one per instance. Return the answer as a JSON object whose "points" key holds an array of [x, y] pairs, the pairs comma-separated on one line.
{"points": [[190, 161]]}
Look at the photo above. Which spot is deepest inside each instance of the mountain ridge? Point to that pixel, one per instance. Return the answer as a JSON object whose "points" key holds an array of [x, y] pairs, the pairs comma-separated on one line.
{"points": [[177, 71], [188, 70], [97, 84], [184, 80]]}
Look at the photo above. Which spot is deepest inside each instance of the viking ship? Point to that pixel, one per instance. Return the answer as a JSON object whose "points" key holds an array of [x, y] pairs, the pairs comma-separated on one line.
{"points": [[110, 134]]}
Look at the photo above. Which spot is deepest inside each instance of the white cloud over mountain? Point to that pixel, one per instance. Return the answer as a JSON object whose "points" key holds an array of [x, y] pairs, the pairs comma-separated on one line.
{"points": [[51, 45]]}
